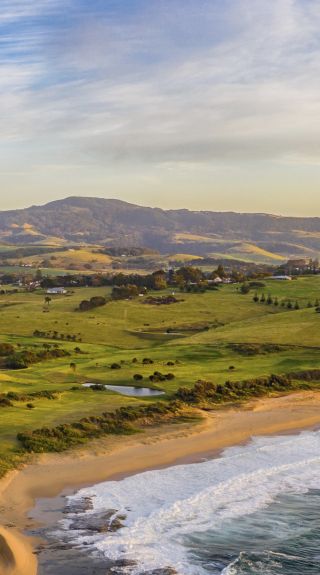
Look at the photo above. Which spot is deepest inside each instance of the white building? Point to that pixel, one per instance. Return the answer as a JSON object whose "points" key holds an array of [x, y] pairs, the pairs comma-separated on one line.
{"points": [[56, 291]]}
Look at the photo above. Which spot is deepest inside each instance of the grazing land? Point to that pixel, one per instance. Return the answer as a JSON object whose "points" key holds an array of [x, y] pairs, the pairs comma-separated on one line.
{"points": [[216, 336]]}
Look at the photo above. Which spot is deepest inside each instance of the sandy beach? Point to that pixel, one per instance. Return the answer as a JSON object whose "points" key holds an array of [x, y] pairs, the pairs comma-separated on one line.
{"points": [[49, 475]]}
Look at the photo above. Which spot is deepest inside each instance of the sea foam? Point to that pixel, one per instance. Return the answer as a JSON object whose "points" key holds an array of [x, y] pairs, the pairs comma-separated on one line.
{"points": [[161, 509]]}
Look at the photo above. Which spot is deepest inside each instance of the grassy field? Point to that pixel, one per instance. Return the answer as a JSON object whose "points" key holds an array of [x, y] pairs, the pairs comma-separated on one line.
{"points": [[194, 335]]}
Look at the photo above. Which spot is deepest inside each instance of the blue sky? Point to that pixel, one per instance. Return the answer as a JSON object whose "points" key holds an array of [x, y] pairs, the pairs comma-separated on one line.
{"points": [[200, 104]]}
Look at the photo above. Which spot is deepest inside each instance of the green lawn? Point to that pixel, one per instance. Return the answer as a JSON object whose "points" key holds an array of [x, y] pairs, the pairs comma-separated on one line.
{"points": [[204, 325]]}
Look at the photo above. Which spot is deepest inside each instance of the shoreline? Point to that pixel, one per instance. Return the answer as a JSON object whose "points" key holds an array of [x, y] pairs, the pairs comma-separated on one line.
{"points": [[113, 458]]}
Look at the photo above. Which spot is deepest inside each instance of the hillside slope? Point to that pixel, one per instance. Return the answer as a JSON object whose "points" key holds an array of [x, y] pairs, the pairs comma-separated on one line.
{"points": [[108, 221]]}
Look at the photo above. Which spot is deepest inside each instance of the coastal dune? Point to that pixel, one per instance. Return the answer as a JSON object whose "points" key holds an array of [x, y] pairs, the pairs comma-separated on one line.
{"points": [[16, 556], [114, 458]]}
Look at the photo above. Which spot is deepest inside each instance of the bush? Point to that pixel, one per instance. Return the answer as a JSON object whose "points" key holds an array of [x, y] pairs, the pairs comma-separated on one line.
{"points": [[115, 366], [5, 402], [124, 292], [6, 349], [147, 361], [138, 377], [64, 436], [96, 301]]}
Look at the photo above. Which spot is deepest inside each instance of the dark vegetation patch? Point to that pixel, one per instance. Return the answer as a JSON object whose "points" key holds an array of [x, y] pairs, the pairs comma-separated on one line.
{"points": [[256, 348], [22, 359], [128, 291], [67, 435], [127, 420], [6, 399], [92, 303], [206, 392], [53, 334], [161, 300], [158, 376]]}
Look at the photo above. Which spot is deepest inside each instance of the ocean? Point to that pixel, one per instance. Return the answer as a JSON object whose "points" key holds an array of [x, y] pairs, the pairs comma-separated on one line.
{"points": [[254, 510]]}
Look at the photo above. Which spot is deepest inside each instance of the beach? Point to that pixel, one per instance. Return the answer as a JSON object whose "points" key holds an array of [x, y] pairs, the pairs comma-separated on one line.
{"points": [[114, 458]]}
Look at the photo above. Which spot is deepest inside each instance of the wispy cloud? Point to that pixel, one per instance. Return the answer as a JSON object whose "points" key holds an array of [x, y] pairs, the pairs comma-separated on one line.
{"points": [[158, 81]]}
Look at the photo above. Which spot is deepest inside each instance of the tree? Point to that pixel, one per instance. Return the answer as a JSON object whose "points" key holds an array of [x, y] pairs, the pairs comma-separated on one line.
{"points": [[47, 300], [159, 280], [244, 288], [187, 274], [220, 272]]}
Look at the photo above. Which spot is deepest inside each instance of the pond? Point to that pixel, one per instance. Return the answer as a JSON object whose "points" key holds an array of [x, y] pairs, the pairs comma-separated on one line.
{"points": [[131, 390]]}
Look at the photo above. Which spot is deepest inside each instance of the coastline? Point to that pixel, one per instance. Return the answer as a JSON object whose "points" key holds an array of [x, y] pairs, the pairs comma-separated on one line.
{"points": [[113, 458]]}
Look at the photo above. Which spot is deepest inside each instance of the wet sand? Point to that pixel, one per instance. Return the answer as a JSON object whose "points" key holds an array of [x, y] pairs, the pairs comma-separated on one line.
{"points": [[113, 458]]}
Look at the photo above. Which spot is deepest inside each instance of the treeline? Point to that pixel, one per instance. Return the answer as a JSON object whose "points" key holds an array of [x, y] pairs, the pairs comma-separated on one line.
{"points": [[126, 419], [256, 348], [53, 334], [206, 392], [12, 358], [121, 421], [6, 399], [92, 303], [284, 303]]}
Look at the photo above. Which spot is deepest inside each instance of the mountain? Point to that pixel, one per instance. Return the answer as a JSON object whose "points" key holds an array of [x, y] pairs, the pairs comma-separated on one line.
{"points": [[113, 222]]}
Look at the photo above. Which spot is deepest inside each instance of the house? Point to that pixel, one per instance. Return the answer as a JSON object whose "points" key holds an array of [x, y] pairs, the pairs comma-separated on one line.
{"points": [[56, 291]]}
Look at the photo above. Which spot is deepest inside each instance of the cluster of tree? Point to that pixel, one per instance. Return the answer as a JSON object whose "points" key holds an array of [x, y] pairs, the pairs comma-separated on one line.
{"points": [[161, 300], [206, 392], [128, 291], [62, 437], [269, 300], [246, 286], [300, 267], [6, 349], [21, 359], [201, 287], [158, 376], [52, 334], [122, 421], [285, 303], [6, 399], [256, 348], [88, 304]]}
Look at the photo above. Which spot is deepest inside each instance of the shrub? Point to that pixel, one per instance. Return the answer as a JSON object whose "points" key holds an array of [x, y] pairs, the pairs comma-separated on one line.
{"points": [[115, 366], [6, 349], [5, 402], [96, 301], [138, 377], [64, 436], [124, 292]]}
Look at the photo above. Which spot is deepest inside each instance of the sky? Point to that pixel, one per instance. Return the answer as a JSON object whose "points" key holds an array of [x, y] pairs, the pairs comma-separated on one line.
{"points": [[201, 104]]}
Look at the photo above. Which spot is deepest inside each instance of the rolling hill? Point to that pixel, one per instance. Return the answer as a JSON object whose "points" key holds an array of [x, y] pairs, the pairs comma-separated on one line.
{"points": [[109, 222]]}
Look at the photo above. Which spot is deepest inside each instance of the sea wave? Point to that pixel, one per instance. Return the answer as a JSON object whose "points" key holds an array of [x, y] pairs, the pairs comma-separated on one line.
{"points": [[162, 510]]}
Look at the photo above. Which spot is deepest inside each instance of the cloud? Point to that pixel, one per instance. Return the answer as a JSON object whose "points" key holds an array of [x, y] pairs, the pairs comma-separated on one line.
{"points": [[199, 82]]}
